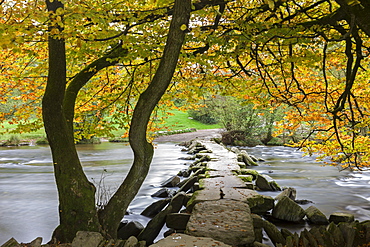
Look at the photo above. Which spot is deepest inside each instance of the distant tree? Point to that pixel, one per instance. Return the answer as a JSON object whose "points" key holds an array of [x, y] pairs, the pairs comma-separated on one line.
{"points": [[241, 118]]}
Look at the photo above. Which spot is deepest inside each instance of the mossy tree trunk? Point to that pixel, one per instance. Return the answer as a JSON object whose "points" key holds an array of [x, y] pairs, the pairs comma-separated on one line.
{"points": [[76, 194], [114, 211]]}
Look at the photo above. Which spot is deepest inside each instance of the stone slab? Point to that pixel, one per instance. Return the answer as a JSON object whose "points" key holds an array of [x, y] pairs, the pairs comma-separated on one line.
{"points": [[183, 240], [231, 181], [223, 165], [213, 194], [228, 221], [221, 158]]}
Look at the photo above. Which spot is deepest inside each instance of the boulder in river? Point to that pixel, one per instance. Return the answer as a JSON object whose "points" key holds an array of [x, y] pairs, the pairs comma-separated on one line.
{"points": [[350, 233], [274, 186], [289, 192], [184, 173], [171, 182], [308, 239], [258, 244], [337, 234], [163, 193], [315, 216], [341, 217], [260, 203], [263, 184], [133, 228], [156, 207], [235, 150], [273, 233], [244, 156], [286, 209], [188, 184], [11, 243], [195, 147], [177, 221], [132, 242], [155, 225], [258, 226]]}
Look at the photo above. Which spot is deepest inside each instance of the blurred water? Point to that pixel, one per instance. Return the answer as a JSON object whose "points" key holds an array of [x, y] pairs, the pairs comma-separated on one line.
{"points": [[329, 189], [28, 196]]}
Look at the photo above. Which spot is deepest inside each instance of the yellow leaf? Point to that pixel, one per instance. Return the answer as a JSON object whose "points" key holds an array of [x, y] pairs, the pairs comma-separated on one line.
{"points": [[183, 27], [271, 3], [54, 31]]}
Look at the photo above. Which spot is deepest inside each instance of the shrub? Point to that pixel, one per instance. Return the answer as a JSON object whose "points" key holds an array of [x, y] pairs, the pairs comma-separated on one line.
{"points": [[246, 124], [12, 141], [203, 115], [43, 141]]}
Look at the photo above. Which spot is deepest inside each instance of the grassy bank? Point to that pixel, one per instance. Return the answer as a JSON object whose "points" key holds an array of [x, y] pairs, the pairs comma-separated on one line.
{"points": [[180, 120], [177, 121], [19, 137]]}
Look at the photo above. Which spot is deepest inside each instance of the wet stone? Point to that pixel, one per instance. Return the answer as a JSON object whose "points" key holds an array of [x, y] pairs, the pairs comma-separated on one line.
{"points": [[341, 217], [154, 208], [183, 240], [171, 182], [286, 209], [133, 228], [84, 238], [315, 216], [227, 221], [162, 193]]}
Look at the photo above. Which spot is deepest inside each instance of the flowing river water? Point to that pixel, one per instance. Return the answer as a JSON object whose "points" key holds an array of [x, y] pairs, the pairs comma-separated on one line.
{"points": [[29, 203]]}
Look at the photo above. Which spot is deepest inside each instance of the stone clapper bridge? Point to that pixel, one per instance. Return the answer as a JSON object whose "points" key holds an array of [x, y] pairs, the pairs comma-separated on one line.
{"points": [[220, 213]]}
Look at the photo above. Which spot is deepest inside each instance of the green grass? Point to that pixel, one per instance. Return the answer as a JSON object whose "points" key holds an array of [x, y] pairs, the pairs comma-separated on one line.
{"points": [[34, 135], [179, 120]]}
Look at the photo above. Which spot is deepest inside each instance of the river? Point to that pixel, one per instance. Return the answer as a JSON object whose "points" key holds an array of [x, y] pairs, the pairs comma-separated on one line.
{"points": [[28, 196]]}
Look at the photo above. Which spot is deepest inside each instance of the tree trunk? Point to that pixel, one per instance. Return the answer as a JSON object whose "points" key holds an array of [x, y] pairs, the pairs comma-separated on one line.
{"points": [[114, 211], [76, 194]]}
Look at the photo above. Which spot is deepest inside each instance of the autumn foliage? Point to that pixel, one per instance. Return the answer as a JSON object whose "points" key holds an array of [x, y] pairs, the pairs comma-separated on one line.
{"points": [[311, 57]]}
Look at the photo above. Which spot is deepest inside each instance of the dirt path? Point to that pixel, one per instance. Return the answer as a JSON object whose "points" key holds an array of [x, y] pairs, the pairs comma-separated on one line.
{"points": [[201, 134]]}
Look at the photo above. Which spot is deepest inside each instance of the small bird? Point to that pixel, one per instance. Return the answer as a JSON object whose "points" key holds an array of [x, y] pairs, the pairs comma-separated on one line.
{"points": [[222, 194]]}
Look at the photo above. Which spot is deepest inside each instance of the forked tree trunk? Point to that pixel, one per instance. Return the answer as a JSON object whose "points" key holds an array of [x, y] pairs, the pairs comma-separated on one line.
{"points": [[77, 209], [76, 194], [114, 211]]}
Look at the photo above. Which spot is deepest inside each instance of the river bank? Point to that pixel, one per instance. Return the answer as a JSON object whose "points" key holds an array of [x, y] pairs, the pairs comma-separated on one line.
{"points": [[205, 134]]}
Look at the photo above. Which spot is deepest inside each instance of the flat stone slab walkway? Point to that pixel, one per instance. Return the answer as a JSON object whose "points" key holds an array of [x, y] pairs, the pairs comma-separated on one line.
{"points": [[224, 220], [221, 178], [220, 214], [225, 217]]}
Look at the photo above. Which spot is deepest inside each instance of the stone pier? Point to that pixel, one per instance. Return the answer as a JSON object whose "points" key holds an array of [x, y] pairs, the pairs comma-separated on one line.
{"points": [[219, 209]]}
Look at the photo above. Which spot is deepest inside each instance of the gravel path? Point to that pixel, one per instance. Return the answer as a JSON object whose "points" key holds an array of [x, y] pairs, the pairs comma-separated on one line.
{"points": [[184, 137]]}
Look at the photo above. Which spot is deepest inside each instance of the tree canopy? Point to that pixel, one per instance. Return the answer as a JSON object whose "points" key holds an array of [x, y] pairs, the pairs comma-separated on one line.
{"points": [[102, 65]]}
